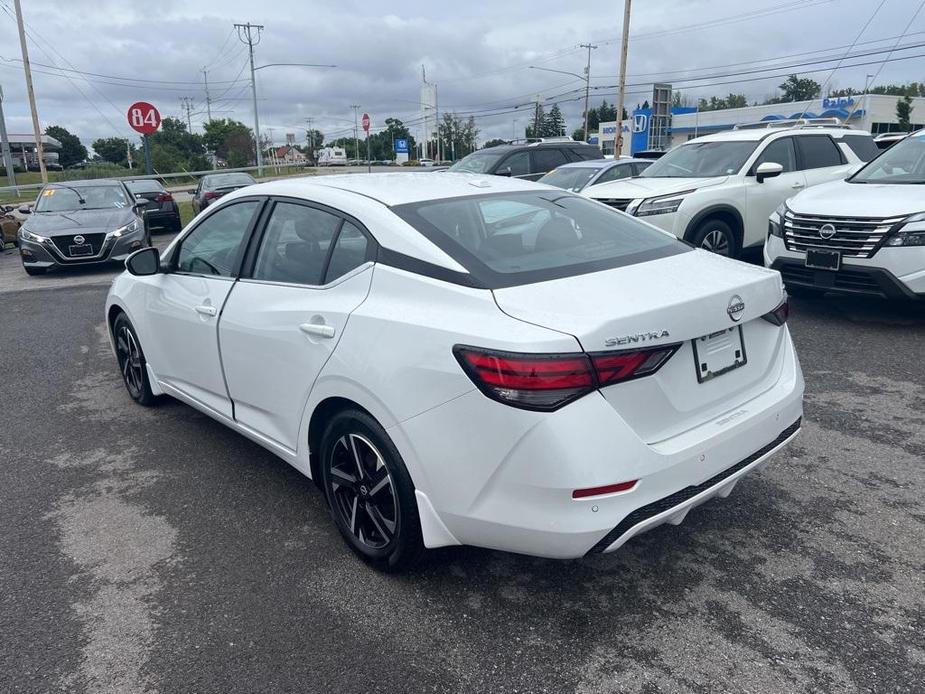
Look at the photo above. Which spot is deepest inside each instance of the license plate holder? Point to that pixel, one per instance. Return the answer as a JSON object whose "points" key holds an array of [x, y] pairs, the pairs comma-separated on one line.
{"points": [[820, 259], [80, 250], [719, 353]]}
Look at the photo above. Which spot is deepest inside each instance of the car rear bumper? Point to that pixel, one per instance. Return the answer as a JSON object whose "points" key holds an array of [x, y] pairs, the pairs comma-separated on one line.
{"points": [[504, 478], [892, 273]]}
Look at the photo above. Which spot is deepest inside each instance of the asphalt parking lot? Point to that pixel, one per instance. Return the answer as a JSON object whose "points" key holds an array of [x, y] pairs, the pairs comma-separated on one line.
{"points": [[153, 550]]}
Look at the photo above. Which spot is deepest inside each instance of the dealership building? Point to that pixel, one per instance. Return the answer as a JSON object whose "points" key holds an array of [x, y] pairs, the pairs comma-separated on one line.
{"points": [[875, 113]]}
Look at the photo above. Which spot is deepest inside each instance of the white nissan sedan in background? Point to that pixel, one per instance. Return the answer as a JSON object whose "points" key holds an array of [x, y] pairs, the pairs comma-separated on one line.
{"points": [[466, 360]]}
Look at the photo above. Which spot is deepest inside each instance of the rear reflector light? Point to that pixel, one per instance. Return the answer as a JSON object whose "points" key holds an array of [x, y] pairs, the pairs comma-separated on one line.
{"points": [[606, 489], [549, 381], [780, 314], [164, 197], [211, 195]]}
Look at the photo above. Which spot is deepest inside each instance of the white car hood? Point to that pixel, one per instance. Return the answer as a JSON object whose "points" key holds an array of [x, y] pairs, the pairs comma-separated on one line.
{"points": [[643, 187], [843, 199]]}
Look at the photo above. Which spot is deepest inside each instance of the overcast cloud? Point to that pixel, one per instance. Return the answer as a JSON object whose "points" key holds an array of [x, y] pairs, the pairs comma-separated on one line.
{"points": [[478, 53]]}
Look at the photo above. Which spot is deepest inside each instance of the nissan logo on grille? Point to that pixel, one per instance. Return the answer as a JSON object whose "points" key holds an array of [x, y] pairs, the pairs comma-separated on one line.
{"points": [[736, 308], [827, 231], [79, 240]]}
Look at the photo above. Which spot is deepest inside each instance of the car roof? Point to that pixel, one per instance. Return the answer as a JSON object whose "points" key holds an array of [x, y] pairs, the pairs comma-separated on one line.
{"points": [[756, 134], [397, 188], [83, 183], [601, 163]]}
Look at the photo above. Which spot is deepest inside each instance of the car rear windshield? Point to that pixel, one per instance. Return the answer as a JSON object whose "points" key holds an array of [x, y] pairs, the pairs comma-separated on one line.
{"points": [[144, 186], [227, 180], [570, 178], [698, 159], [506, 239], [862, 145]]}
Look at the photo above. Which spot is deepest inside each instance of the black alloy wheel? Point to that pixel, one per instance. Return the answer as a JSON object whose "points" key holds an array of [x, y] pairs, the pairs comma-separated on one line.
{"points": [[369, 492], [132, 361]]}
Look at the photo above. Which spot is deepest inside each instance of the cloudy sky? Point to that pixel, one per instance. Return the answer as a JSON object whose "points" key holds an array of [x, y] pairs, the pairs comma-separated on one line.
{"points": [[478, 53]]}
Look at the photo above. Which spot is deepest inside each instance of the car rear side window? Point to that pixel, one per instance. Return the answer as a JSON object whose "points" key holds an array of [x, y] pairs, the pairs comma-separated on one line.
{"points": [[615, 173], [295, 245], [862, 145], [506, 239], [547, 159], [350, 251], [819, 151], [214, 246], [586, 152]]}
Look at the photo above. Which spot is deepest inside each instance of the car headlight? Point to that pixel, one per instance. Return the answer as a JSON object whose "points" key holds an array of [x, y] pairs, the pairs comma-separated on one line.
{"points": [[662, 205], [633, 206], [911, 232], [121, 231], [29, 236], [776, 221]]}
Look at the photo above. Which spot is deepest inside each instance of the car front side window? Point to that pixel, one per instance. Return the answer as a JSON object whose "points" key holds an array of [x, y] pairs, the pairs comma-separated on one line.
{"points": [[779, 152], [213, 247]]}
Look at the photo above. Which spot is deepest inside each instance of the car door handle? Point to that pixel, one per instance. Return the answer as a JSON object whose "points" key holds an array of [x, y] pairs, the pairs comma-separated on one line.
{"points": [[317, 330], [206, 310], [798, 185]]}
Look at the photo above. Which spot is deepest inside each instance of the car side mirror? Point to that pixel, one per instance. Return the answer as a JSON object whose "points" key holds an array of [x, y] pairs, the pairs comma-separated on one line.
{"points": [[146, 261], [25, 210], [506, 171], [768, 169]]}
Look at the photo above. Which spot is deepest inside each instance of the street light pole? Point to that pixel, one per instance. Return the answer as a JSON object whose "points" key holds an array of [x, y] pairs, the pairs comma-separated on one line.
{"points": [[356, 136], [30, 92], [5, 144], [587, 87], [246, 34], [621, 98]]}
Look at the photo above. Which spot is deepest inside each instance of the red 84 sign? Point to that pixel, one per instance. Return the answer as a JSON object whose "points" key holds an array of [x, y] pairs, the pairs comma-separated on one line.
{"points": [[144, 117]]}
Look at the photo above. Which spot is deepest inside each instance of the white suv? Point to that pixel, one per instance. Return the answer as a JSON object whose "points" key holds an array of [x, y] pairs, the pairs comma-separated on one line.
{"points": [[863, 235], [717, 191]]}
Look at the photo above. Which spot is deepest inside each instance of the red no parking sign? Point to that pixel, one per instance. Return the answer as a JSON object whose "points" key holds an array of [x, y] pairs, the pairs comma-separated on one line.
{"points": [[144, 117]]}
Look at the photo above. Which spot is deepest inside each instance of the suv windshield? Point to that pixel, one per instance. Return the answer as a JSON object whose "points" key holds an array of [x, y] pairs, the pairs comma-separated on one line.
{"points": [[570, 178], [477, 162], [904, 162], [702, 159], [505, 239], [59, 199]]}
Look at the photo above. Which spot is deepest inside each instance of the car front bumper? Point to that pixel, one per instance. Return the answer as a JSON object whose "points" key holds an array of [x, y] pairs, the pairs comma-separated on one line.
{"points": [[503, 478], [893, 273], [47, 255]]}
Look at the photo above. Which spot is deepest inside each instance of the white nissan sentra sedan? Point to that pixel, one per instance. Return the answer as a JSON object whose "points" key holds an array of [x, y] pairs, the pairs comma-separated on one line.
{"points": [[466, 360]]}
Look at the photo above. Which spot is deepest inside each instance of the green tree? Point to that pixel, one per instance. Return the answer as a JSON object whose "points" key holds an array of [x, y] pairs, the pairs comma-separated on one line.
{"points": [[904, 113], [458, 136], [578, 134], [231, 140], [799, 89], [535, 127], [112, 149], [72, 151], [554, 123]]}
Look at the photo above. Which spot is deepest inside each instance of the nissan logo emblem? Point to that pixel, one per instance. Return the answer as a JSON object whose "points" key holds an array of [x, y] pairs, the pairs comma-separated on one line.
{"points": [[736, 308], [827, 231], [78, 240]]}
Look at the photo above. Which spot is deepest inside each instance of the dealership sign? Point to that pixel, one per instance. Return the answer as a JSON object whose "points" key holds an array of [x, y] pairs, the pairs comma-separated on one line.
{"points": [[401, 146], [838, 102]]}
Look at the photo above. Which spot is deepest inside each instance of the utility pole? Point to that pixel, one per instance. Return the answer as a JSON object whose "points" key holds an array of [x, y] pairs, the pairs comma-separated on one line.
{"points": [[187, 105], [205, 79], [311, 139], [5, 145], [621, 97], [36, 128], [536, 118], [356, 136], [587, 85], [250, 34]]}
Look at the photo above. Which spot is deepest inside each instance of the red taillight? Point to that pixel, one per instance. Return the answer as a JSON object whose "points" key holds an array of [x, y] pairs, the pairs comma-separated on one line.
{"points": [[606, 489], [549, 381], [164, 197], [211, 195], [780, 314]]}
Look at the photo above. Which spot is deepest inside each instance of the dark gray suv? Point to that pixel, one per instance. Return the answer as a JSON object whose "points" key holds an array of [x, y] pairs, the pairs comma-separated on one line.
{"points": [[528, 160], [81, 223]]}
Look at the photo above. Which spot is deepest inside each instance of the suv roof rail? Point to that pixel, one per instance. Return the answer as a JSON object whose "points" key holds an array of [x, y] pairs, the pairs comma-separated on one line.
{"points": [[794, 123], [541, 140]]}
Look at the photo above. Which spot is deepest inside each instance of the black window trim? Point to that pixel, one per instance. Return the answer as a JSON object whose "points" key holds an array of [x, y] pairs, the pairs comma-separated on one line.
{"points": [[170, 263], [481, 276], [249, 261]]}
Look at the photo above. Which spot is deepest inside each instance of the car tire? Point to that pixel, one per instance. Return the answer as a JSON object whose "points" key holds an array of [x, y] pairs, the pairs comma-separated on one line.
{"points": [[716, 236], [802, 292], [34, 271], [369, 492], [177, 225], [131, 359]]}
